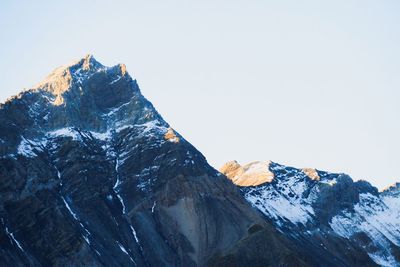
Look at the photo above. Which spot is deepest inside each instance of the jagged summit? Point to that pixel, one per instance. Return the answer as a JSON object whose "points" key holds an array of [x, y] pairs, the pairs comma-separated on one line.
{"points": [[87, 62], [73, 74], [85, 95], [66, 77]]}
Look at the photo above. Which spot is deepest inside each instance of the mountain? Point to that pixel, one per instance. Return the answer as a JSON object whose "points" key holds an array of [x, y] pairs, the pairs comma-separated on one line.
{"points": [[327, 213], [91, 175]]}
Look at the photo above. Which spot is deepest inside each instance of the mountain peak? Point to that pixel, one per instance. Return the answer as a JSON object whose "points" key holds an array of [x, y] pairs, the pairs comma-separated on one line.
{"points": [[83, 94], [76, 73], [88, 62], [61, 78]]}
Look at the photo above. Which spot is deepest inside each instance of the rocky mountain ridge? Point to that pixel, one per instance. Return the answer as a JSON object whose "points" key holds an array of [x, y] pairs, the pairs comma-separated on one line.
{"points": [[91, 175], [310, 202]]}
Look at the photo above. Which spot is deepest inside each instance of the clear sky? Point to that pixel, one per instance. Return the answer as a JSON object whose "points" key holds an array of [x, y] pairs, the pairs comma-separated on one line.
{"points": [[303, 83]]}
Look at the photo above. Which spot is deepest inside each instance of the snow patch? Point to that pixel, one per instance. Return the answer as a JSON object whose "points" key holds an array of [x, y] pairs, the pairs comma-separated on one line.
{"points": [[115, 188], [29, 148], [75, 216], [123, 249], [115, 110], [379, 219], [283, 200], [278, 207], [69, 209], [11, 235], [116, 79], [330, 182], [101, 136], [64, 132]]}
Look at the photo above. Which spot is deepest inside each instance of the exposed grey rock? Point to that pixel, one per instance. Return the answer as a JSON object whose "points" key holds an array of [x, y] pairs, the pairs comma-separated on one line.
{"points": [[91, 175]]}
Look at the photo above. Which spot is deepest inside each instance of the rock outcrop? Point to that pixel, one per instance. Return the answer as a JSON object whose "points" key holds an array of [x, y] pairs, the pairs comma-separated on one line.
{"points": [[252, 174]]}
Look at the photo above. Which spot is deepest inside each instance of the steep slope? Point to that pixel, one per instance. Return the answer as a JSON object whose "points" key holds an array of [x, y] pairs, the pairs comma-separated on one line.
{"points": [[91, 175], [320, 210]]}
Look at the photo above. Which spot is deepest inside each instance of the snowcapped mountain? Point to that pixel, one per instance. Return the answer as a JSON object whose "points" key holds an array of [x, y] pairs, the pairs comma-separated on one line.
{"points": [[308, 203], [91, 175]]}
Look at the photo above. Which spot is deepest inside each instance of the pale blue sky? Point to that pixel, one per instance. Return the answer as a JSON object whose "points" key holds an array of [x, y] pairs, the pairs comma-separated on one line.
{"points": [[303, 83]]}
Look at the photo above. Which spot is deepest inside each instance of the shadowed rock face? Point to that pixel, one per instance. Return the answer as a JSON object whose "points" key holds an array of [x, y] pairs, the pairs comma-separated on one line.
{"points": [[392, 190], [91, 175], [339, 221]]}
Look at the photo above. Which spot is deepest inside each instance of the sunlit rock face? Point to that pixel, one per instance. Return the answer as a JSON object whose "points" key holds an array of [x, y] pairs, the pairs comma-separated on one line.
{"points": [[91, 175], [324, 209], [252, 174]]}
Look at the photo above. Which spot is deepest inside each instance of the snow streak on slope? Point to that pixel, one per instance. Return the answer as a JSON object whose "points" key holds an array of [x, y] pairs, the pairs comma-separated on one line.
{"points": [[30, 148], [123, 249], [116, 191], [377, 217], [11, 235], [284, 198], [86, 233], [279, 206]]}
